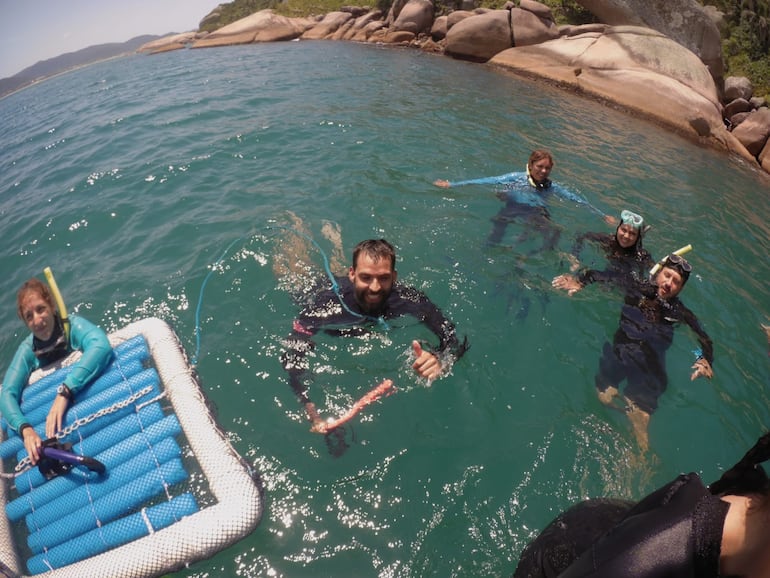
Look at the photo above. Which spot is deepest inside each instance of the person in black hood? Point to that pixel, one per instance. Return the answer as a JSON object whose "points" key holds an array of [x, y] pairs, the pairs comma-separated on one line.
{"points": [[682, 530], [624, 252]]}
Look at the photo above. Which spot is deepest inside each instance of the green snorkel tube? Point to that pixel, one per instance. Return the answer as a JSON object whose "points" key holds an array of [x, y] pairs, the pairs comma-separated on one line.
{"points": [[59, 302]]}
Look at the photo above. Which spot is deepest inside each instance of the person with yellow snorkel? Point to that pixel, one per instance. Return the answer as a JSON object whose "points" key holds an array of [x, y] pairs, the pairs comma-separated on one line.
{"points": [[54, 335], [526, 196], [637, 354]]}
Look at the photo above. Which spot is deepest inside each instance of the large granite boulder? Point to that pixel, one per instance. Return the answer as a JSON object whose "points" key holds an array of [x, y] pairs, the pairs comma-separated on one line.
{"points": [[754, 131], [479, 36], [167, 43], [328, 25], [684, 21], [636, 67], [262, 26], [415, 17]]}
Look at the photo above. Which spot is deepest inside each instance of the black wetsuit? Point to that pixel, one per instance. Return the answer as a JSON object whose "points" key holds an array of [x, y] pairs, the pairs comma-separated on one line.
{"points": [[638, 349], [633, 262], [327, 314], [675, 532]]}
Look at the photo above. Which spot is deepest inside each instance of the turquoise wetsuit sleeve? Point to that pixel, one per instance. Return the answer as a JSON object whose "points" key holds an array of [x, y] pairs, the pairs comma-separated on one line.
{"points": [[97, 353], [565, 193], [16, 377], [498, 180]]}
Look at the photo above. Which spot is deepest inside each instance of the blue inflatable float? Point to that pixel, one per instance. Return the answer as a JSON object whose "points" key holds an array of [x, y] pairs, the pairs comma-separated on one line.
{"points": [[116, 499]]}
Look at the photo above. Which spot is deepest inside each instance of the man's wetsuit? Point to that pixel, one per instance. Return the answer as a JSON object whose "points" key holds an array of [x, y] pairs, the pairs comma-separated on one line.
{"points": [[326, 313], [638, 350], [528, 202]]}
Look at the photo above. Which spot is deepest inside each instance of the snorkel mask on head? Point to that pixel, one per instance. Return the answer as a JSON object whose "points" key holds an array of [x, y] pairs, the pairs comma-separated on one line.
{"points": [[630, 218]]}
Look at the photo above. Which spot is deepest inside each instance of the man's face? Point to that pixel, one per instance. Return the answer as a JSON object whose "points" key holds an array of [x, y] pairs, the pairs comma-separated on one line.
{"points": [[372, 282], [669, 282], [539, 170]]}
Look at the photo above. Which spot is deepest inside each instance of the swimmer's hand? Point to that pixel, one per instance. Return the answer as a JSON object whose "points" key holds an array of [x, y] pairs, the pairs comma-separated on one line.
{"points": [[426, 364], [442, 183], [567, 283], [702, 368], [33, 444], [610, 220]]}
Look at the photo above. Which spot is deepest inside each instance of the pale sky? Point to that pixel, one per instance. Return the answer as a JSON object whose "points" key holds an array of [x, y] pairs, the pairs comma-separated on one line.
{"points": [[34, 30]]}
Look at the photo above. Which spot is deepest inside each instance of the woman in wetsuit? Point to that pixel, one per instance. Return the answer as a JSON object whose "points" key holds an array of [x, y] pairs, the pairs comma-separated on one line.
{"points": [[48, 343], [526, 195], [682, 530], [628, 260]]}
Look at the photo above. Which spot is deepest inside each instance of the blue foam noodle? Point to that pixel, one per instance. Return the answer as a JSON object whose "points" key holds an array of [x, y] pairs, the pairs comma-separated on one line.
{"points": [[129, 448], [109, 507], [115, 534], [86, 407], [126, 364], [112, 448], [100, 486], [134, 348], [38, 413]]}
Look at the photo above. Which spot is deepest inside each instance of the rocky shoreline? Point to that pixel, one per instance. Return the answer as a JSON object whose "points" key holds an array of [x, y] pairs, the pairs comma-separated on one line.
{"points": [[639, 69]]}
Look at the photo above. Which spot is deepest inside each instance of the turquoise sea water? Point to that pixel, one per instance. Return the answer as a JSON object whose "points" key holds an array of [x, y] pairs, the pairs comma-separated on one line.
{"points": [[131, 178]]}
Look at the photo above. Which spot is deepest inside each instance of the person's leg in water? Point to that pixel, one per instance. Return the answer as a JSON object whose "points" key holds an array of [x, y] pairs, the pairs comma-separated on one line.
{"points": [[499, 225], [291, 259], [611, 373], [646, 383], [331, 231], [640, 421], [541, 222]]}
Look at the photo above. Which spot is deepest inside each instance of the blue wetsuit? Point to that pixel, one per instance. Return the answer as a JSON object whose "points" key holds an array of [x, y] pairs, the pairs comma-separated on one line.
{"points": [[526, 201], [326, 313], [83, 336]]}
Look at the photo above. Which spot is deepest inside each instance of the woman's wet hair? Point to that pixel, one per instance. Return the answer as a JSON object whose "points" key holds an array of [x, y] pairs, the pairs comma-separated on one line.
{"points": [[376, 249], [33, 285], [540, 154]]}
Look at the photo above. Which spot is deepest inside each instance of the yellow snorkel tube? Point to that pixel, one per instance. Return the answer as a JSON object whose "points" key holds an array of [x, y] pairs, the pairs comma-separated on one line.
{"points": [[59, 302], [659, 264]]}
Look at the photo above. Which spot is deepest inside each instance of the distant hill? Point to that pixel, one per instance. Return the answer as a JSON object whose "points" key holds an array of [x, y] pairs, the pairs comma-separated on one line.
{"points": [[70, 60]]}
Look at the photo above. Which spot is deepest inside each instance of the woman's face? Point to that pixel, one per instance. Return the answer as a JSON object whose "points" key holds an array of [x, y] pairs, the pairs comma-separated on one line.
{"points": [[38, 315], [627, 235], [539, 170]]}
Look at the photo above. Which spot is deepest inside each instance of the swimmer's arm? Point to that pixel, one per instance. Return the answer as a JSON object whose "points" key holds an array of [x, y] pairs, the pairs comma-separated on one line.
{"points": [[498, 180], [97, 353], [703, 366], [22, 365], [574, 197]]}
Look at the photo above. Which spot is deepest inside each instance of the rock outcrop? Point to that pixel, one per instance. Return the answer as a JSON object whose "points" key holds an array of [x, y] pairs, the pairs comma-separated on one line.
{"points": [[671, 77], [684, 21]]}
